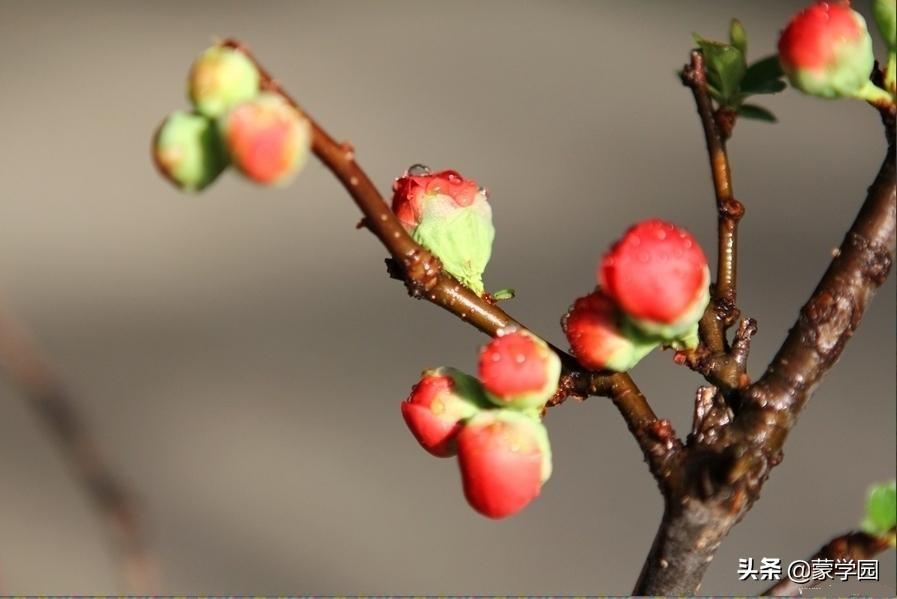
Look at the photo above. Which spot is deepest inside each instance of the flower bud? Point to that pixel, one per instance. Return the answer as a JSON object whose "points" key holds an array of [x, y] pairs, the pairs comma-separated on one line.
{"points": [[504, 458], [885, 12], [220, 79], [267, 138], [598, 336], [187, 150], [451, 217], [519, 370], [657, 275], [826, 51], [437, 407]]}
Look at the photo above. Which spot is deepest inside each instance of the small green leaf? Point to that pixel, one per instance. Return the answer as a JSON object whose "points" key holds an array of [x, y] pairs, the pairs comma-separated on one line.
{"points": [[738, 36], [758, 113], [762, 72], [725, 67], [503, 294], [881, 509], [769, 87]]}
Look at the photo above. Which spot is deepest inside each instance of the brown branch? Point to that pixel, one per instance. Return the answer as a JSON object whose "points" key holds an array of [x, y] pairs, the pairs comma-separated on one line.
{"points": [[712, 359], [850, 546], [729, 209], [425, 279], [28, 370], [725, 468]]}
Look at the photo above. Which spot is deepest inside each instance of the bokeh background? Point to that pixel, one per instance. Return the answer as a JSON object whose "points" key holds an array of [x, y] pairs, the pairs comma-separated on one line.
{"points": [[241, 355]]}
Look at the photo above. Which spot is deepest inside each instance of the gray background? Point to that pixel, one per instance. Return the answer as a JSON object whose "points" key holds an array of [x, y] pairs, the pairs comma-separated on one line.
{"points": [[241, 355]]}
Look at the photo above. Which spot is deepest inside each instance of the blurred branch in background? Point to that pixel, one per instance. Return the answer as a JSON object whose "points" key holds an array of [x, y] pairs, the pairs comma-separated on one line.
{"points": [[23, 364], [851, 546]]}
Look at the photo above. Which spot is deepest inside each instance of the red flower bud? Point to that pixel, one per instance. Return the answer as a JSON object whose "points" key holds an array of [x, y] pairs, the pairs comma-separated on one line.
{"points": [[657, 275], [451, 217], [504, 458], [221, 78], [437, 407], [597, 339], [411, 190], [826, 51], [268, 140], [519, 370]]}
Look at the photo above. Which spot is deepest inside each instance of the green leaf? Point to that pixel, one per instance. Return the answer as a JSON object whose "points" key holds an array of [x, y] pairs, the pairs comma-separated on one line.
{"points": [[769, 87], [758, 113], [881, 510], [725, 67], [738, 36], [761, 73], [503, 294]]}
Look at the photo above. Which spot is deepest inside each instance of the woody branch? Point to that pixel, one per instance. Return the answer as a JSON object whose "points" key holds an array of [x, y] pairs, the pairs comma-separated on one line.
{"points": [[730, 453], [425, 279]]}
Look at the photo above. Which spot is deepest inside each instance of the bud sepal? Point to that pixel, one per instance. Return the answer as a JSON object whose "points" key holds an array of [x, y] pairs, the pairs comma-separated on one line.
{"points": [[600, 336], [451, 217]]}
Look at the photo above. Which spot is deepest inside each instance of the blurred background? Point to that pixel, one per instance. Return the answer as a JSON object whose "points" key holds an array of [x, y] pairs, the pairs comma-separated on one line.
{"points": [[241, 355]]}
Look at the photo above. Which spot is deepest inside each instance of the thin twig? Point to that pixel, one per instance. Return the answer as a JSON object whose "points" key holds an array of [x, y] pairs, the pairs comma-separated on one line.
{"points": [[29, 371], [425, 279], [728, 208], [850, 546], [725, 471]]}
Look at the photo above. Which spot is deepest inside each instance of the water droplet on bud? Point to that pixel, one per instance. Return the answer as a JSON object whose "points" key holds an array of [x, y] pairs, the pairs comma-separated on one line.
{"points": [[418, 170]]}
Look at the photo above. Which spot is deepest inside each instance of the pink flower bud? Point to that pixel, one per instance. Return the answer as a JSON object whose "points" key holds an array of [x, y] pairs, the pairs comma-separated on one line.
{"points": [[597, 339], [657, 275], [437, 407], [504, 458], [451, 217], [826, 51], [221, 78], [268, 139], [519, 370]]}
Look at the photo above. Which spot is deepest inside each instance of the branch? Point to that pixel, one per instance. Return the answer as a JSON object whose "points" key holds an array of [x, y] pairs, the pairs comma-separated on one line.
{"points": [[27, 369], [425, 279], [851, 546], [713, 359], [725, 466], [729, 210]]}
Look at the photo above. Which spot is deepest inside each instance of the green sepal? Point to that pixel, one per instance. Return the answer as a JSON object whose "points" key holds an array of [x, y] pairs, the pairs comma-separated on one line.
{"points": [[881, 510], [461, 237], [466, 387]]}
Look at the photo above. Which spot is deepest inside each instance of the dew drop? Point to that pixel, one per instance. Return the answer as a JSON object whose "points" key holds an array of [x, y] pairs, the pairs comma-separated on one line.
{"points": [[418, 170], [520, 358]]}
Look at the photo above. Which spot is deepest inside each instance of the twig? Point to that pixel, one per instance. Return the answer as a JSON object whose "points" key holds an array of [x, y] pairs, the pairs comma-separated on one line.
{"points": [[717, 367], [724, 472], [850, 546], [425, 279], [728, 208], [28, 370]]}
